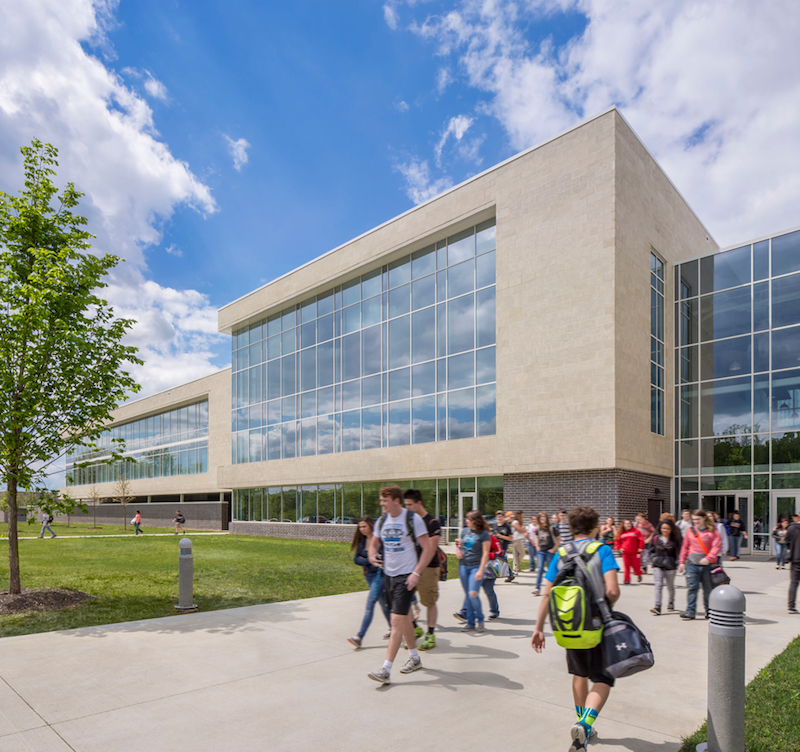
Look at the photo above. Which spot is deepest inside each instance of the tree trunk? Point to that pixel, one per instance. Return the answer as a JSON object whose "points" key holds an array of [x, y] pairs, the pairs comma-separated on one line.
{"points": [[94, 514], [14, 586]]}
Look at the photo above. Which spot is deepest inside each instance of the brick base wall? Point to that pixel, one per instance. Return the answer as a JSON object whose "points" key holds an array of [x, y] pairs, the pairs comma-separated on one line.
{"points": [[308, 531], [613, 493], [200, 515]]}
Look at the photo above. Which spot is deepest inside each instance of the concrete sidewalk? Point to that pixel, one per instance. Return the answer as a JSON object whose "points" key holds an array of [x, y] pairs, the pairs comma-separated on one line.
{"points": [[283, 677]]}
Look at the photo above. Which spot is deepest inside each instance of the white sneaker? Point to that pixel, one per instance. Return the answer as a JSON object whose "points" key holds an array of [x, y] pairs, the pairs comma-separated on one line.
{"points": [[382, 676], [479, 627], [354, 641], [412, 664], [387, 635]]}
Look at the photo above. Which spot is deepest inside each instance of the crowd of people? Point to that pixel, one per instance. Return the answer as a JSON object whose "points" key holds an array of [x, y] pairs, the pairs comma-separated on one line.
{"points": [[402, 564]]}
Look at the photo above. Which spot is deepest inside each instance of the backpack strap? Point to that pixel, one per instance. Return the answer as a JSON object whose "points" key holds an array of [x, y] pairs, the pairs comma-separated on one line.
{"points": [[411, 533], [599, 598]]}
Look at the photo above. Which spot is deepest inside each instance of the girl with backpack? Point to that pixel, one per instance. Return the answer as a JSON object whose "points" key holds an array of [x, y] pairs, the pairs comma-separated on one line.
{"points": [[630, 542], [373, 576], [546, 546], [665, 550]]}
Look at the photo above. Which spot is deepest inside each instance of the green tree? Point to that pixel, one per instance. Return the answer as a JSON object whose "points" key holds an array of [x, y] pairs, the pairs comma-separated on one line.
{"points": [[61, 354]]}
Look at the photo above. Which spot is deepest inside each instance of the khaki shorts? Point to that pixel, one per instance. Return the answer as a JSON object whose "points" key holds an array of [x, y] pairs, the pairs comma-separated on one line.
{"points": [[428, 586]]}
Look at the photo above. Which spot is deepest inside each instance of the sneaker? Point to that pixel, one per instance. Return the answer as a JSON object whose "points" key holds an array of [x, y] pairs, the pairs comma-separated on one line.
{"points": [[467, 628], [578, 734], [656, 610], [536, 592], [382, 676], [354, 641], [686, 615], [460, 617], [492, 617], [671, 607], [418, 632], [412, 664], [479, 627], [794, 611], [387, 635], [428, 643]]}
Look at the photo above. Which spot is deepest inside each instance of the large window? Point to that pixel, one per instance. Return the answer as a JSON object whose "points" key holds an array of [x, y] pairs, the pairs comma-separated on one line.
{"points": [[169, 443], [404, 354], [737, 373], [656, 344]]}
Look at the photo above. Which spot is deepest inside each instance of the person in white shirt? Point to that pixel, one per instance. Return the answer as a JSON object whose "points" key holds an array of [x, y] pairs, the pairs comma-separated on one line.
{"points": [[404, 558]]}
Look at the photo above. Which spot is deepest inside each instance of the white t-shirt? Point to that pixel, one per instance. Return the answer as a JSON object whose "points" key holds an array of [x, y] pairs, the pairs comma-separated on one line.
{"points": [[399, 551]]}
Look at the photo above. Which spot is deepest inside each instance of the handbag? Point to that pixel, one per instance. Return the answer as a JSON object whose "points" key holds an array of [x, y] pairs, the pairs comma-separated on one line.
{"points": [[718, 575], [495, 568], [626, 650]]}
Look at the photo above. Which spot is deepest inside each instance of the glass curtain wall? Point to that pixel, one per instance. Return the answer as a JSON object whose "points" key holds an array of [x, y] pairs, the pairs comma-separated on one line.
{"points": [[657, 385], [738, 373], [174, 442], [347, 502], [404, 354]]}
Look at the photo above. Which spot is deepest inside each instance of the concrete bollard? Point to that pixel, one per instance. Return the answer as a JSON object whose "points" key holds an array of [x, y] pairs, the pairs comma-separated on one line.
{"points": [[185, 576], [726, 649]]}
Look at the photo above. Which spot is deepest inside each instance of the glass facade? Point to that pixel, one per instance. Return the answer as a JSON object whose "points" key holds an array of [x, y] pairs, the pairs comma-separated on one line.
{"points": [[170, 443], [347, 502], [737, 389], [404, 354], [657, 385]]}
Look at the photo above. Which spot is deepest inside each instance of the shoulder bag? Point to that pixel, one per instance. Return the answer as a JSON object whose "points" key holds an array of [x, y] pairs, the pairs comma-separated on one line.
{"points": [[718, 575]]}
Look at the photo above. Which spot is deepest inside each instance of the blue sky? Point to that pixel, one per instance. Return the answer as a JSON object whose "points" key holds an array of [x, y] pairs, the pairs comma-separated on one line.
{"points": [[222, 144]]}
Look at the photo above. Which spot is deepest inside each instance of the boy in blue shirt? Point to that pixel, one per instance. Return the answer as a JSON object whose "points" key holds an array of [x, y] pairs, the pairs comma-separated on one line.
{"points": [[584, 665]]}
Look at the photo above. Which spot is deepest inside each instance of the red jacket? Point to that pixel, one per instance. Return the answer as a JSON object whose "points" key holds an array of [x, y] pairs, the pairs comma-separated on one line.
{"points": [[630, 542]]}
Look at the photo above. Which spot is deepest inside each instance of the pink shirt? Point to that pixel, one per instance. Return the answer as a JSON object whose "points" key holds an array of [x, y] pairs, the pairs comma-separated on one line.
{"points": [[711, 539]]}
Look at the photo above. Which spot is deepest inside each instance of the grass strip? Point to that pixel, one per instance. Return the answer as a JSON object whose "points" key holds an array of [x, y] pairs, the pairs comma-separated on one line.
{"points": [[772, 707], [137, 577]]}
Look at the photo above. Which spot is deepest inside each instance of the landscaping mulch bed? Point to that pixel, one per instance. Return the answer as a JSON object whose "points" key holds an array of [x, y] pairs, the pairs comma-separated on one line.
{"points": [[41, 600]]}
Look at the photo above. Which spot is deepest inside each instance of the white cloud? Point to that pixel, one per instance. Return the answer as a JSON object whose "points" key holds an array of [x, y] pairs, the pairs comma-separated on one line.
{"points": [[173, 250], [710, 86], [52, 89], [155, 88], [419, 184], [456, 127], [443, 79], [238, 150], [401, 106], [390, 15]]}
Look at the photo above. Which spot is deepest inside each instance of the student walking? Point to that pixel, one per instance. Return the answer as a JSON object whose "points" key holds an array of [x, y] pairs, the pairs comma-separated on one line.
{"points": [[630, 542], [699, 550], [584, 665], [608, 532], [372, 574], [546, 546], [406, 553], [793, 557], [179, 521], [685, 522], [518, 541], [137, 523], [428, 587], [665, 550], [736, 531], [779, 536], [531, 530], [472, 549], [47, 518], [723, 534], [487, 583]]}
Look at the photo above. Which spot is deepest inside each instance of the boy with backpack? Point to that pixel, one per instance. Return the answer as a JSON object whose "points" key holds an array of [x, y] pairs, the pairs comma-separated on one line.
{"points": [[575, 603]]}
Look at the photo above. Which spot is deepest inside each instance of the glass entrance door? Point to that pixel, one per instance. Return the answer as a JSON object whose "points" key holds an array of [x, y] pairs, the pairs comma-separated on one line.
{"points": [[725, 505], [466, 503], [784, 505]]}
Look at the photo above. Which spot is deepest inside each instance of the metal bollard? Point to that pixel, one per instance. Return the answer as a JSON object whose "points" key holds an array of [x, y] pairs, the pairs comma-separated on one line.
{"points": [[726, 648], [185, 576]]}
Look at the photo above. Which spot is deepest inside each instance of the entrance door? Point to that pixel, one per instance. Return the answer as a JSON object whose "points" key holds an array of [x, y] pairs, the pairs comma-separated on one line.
{"points": [[466, 503], [725, 504], [784, 505]]}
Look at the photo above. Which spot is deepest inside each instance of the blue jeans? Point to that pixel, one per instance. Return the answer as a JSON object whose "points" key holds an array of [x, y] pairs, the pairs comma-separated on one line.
{"points": [[734, 542], [487, 583], [137, 526], [697, 575], [471, 585], [46, 527], [780, 554], [543, 559], [375, 595], [531, 555]]}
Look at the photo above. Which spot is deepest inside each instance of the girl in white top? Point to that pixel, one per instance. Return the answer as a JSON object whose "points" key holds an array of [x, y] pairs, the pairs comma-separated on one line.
{"points": [[518, 541]]}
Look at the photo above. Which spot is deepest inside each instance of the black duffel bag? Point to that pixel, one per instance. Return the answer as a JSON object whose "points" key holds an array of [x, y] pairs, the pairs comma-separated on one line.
{"points": [[626, 650]]}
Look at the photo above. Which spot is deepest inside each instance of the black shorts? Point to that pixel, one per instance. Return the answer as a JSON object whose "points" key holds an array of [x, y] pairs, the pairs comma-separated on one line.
{"points": [[398, 596], [589, 664]]}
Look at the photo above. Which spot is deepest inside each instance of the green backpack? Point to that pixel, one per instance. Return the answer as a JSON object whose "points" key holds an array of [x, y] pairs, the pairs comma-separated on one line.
{"points": [[575, 611]]}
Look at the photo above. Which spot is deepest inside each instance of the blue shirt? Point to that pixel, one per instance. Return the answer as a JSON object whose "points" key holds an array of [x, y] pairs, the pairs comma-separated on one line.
{"points": [[607, 561]]}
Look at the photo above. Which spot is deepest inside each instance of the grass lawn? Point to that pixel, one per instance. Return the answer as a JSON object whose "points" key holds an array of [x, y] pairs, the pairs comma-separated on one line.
{"points": [[137, 578], [772, 707], [62, 528]]}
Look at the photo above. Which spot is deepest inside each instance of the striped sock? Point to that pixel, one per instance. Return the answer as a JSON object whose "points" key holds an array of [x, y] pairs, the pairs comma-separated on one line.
{"points": [[579, 710], [587, 719]]}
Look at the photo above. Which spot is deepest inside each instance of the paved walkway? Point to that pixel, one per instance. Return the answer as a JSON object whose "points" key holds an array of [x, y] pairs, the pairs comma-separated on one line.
{"points": [[283, 677]]}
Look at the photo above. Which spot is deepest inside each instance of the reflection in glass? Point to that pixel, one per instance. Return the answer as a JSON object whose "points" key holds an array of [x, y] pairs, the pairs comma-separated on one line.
{"points": [[786, 400], [786, 253], [486, 236], [729, 357], [325, 434], [688, 418], [399, 342], [399, 384], [786, 451], [308, 437], [399, 301], [785, 302], [423, 292], [461, 246], [461, 324], [461, 414], [423, 420], [423, 335], [761, 307], [688, 457], [786, 348], [370, 391], [725, 314], [423, 379], [485, 367], [399, 423], [288, 440], [423, 262], [371, 428], [487, 410], [371, 311], [351, 292], [688, 280], [726, 454], [370, 350], [726, 407], [727, 269], [485, 269], [461, 371], [487, 330], [761, 453], [461, 278]]}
